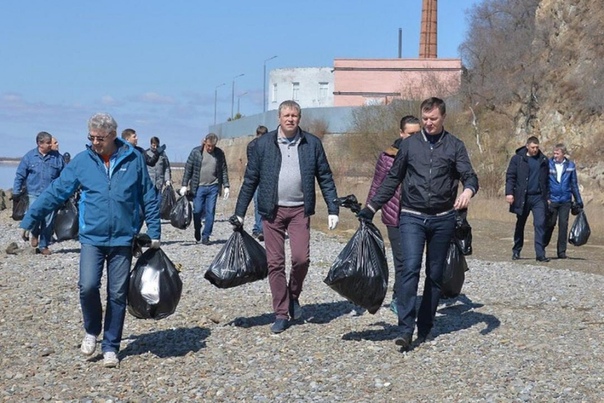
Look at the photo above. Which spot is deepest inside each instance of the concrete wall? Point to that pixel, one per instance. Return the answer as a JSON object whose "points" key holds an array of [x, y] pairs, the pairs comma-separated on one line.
{"points": [[338, 120], [314, 85]]}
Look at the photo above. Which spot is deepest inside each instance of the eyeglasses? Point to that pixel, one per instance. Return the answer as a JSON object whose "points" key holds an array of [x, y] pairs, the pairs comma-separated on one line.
{"points": [[100, 139]]}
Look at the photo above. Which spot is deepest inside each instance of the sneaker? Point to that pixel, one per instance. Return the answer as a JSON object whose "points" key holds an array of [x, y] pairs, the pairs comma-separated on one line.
{"points": [[88, 344], [279, 326], [404, 342], [205, 240], [295, 310], [393, 307], [110, 359]]}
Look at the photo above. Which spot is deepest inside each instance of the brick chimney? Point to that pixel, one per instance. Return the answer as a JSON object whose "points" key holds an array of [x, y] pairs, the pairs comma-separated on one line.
{"points": [[427, 37]]}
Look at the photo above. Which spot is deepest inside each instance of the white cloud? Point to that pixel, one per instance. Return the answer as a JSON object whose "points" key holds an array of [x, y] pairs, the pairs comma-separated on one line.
{"points": [[155, 98]]}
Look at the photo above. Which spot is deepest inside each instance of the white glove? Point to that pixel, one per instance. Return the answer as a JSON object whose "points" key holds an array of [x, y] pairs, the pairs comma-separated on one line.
{"points": [[227, 192], [332, 221], [168, 183], [154, 244], [183, 191]]}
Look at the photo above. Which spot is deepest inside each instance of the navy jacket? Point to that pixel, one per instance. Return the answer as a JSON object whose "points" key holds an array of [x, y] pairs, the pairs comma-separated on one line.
{"points": [[568, 187], [193, 166], [263, 169], [517, 176]]}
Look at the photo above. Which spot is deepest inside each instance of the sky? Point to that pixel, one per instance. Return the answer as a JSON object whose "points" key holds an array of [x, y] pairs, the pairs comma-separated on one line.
{"points": [[156, 66]]}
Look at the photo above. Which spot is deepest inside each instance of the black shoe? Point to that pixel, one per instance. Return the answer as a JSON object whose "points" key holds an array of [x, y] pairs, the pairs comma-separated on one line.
{"points": [[261, 237], [423, 337], [562, 256], [205, 240], [515, 255], [279, 326], [197, 234], [543, 259], [404, 342], [295, 310]]}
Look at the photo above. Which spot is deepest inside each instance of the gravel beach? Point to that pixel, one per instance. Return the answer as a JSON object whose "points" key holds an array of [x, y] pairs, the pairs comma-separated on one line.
{"points": [[518, 333]]}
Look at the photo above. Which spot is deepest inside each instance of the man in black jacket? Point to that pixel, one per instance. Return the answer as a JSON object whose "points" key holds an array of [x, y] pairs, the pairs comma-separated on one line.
{"points": [[429, 166], [283, 167], [526, 190]]}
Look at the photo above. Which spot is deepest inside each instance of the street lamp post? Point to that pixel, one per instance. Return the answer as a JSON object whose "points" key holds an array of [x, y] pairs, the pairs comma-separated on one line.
{"points": [[233, 93], [238, 100], [264, 87], [215, 99]]}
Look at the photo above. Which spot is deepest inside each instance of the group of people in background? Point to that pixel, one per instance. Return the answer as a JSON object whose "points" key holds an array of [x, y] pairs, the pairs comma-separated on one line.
{"points": [[415, 184]]}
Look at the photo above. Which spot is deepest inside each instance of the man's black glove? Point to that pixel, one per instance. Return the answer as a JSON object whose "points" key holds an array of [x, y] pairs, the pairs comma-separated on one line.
{"points": [[15, 197], [236, 222], [366, 214]]}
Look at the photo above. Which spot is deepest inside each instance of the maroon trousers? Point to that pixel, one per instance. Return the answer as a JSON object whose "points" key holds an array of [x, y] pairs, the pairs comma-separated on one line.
{"points": [[288, 220]]}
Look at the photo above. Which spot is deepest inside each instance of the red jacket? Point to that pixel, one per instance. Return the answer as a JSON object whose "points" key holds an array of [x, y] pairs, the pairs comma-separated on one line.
{"points": [[390, 210]]}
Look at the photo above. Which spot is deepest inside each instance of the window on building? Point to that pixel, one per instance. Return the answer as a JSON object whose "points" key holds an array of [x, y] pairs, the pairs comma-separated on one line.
{"points": [[296, 91], [274, 93], [323, 90]]}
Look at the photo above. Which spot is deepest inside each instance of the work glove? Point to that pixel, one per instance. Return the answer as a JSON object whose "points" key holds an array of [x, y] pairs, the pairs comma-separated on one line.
{"points": [[366, 214], [183, 191], [168, 183], [227, 192], [155, 244], [332, 221], [236, 222]]}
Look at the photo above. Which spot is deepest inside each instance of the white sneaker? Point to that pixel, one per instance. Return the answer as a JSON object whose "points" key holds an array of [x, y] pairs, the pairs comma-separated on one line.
{"points": [[88, 344], [110, 359]]}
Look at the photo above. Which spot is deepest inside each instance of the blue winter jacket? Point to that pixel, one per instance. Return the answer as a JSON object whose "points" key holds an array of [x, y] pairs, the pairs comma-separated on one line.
{"points": [[111, 205], [562, 192], [36, 171]]}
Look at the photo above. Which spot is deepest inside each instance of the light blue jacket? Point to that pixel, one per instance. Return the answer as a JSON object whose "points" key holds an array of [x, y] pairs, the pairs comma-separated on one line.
{"points": [[36, 171], [112, 202]]}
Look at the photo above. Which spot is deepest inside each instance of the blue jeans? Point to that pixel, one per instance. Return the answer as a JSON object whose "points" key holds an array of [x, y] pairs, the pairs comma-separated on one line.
{"points": [[92, 260], [205, 201], [257, 217], [417, 231], [43, 229], [537, 205]]}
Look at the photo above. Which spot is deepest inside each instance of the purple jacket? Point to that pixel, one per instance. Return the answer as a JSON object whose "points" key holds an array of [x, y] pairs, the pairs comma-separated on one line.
{"points": [[391, 209]]}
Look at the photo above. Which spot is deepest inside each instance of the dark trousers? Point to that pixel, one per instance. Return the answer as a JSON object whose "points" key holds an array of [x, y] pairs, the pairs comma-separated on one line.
{"points": [[417, 231], [290, 220], [394, 236], [537, 205], [559, 213]]}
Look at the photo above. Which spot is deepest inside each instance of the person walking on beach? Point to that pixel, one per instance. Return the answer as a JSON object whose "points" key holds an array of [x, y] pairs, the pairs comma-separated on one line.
{"points": [[427, 165], [206, 176], [283, 167], [36, 171], [526, 191], [115, 187], [160, 173]]}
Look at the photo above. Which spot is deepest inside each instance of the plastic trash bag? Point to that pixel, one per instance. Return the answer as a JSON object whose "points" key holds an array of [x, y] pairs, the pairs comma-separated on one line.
{"points": [[20, 206], [463, 233], [66, 221], [155, 286], [454, 273], [580, 231], [241, 260], [168, 200], [182, 213], [360, 272]]}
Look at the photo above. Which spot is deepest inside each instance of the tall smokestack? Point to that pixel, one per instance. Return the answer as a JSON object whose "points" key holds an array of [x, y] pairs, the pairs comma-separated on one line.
{"points": [[427, 38], [400, 43]]}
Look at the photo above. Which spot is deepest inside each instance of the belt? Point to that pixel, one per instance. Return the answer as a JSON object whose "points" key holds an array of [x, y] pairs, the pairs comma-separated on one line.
{"points": [[419, 213]]}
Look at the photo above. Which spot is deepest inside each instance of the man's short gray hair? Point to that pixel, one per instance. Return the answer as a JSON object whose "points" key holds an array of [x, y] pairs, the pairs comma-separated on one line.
{"points": [[211, 139], [42, 137], [103, 122]]}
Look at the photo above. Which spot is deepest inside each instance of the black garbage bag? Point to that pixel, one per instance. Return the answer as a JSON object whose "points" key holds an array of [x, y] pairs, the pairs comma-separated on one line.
{"points": [[241, 260], [20, 206], [580, 231], [454, 273], [155, 286], [66, 221], [182, 213], [360, 272], [463, 233], [168, 200]]}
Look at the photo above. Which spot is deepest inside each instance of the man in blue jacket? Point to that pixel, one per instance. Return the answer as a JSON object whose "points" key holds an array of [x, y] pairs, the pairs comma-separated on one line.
{"points": [[563, 186], [283, 166], [115, 189], [36, 171], [526, 191]]}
